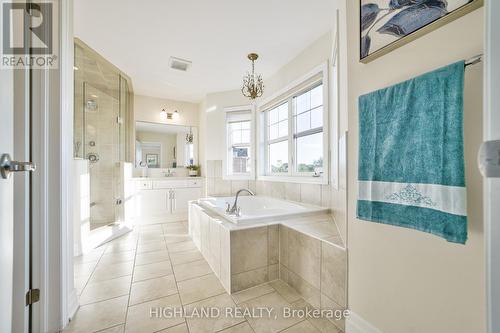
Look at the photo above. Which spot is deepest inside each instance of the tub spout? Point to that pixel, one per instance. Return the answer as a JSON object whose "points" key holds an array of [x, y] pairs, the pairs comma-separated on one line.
{"points": [[235, 210]]}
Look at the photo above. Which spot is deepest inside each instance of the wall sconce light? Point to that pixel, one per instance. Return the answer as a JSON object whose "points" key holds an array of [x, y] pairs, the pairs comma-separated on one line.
{"points": [[164, 115]]}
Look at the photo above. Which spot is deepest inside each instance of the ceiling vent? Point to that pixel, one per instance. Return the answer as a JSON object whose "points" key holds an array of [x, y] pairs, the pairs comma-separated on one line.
{"points": [[179, 64]]}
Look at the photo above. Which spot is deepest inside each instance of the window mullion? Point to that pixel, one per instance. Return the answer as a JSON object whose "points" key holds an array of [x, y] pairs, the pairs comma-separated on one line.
{"points": [[283, 138], [266, 143], [308, 132], [291, 130]]}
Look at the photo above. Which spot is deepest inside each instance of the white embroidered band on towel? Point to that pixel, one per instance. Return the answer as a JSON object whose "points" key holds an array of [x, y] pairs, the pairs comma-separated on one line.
{"points": [[448, 199]]}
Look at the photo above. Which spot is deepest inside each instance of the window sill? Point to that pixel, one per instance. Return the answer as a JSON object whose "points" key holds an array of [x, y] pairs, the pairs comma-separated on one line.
{"points": [[300, 180]]}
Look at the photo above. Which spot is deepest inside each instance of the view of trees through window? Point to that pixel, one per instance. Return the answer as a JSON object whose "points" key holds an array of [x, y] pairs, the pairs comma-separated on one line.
{"points": [[240, 141], [304, 112]]}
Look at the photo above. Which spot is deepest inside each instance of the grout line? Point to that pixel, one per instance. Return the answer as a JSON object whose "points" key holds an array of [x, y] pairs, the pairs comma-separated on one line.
{"points": [[114, 277], [103, 300], [198, 277], [93, 271], [188, 262], [168, 328], [202, 259], [251, 299], [195, 277], [300, 322], [153, 278], [176, 284], [107, 328], [131, 282], [253, 269], [153, 262], [206, 298], [226, 328], [153, 299], [320, 272]]}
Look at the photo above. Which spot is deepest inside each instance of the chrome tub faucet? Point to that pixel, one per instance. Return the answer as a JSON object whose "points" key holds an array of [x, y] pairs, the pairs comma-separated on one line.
{"points": [[235, 210]]}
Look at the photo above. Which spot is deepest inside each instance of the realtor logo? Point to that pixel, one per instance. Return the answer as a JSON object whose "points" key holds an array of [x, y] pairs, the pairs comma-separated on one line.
{"points": [[29, 34]]}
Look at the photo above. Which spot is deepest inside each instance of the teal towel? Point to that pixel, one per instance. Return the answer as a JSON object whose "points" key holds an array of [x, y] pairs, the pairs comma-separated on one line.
{"points": [[411, 155]]}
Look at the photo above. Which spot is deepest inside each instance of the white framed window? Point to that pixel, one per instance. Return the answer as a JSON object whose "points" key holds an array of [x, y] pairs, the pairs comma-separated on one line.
{"points": [[239, 157], [293, 132]]}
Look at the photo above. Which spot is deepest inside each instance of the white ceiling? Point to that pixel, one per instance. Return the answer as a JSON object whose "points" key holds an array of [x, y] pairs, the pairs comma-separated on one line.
{"points": [[139, 36]]}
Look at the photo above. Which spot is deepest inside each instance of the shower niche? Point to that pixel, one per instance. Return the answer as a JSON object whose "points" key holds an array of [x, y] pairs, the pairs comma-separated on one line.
{"points": [[103, 99]]}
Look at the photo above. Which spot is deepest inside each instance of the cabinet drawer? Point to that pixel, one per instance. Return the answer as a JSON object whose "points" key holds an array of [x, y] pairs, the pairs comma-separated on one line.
{"points": [[194, 183], [144, 185], [169, 184]]}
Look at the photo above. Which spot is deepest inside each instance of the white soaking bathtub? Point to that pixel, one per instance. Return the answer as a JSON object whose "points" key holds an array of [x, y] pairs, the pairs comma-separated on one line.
{"points": [[256, 209]]}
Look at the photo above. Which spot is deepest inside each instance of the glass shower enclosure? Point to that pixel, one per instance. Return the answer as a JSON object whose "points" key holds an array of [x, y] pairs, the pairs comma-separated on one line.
{"points": [[102, 114]]}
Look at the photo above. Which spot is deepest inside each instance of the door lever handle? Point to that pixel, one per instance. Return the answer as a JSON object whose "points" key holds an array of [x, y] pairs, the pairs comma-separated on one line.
{"points": [[7, 166]]}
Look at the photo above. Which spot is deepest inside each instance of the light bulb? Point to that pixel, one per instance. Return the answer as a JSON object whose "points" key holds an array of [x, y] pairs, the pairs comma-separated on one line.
{"points": [[163, 115], [175, 115]]}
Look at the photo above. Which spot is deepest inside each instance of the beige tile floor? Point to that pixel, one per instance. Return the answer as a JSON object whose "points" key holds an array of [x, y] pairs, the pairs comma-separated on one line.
{"points": [[158, 266]]}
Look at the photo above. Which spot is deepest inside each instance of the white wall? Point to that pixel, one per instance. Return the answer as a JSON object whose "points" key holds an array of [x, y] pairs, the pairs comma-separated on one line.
{"points": [[403, 280]]}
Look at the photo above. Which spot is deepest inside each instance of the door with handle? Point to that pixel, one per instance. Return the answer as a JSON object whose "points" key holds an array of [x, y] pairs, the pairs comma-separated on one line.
{"points": [[16, 294], [16, 172], [6, 203]]}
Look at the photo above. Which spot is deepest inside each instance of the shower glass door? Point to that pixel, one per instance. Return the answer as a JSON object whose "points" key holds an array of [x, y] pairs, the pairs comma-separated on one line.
{"points": [[102, 150], [102, 117]]}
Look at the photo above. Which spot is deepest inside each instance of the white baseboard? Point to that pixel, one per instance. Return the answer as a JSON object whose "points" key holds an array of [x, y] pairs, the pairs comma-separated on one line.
{"points": [[73, 304], [356, 324]]}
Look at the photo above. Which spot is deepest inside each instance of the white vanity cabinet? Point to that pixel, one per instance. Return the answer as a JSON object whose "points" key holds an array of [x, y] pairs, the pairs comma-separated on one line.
{"points": [[165, 200]]}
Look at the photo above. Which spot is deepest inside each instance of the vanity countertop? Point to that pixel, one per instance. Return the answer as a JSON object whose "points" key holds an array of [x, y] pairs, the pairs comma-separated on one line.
{"points": [[165, 178]]}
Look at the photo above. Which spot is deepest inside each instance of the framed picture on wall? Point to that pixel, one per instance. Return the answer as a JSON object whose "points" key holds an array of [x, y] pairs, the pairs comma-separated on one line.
{"points": [[388, 24], [152, 160]]}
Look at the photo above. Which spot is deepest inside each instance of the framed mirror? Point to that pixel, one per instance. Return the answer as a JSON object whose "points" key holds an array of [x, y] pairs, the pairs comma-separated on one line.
{"points": [[165, 146]]}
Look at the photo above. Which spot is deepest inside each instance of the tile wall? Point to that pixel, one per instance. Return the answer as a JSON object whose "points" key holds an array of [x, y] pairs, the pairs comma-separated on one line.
{"points": [[321, 195], [316, 269], [307, 193]]}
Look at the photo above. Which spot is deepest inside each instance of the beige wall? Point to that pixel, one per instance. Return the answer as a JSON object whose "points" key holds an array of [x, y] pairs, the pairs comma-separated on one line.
{"points": [[315, 54], [403, 280], [148, 108], [202, 130]]}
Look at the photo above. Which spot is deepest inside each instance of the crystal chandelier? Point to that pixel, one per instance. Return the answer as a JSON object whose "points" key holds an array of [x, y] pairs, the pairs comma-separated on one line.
{"points": [[253, 85]]}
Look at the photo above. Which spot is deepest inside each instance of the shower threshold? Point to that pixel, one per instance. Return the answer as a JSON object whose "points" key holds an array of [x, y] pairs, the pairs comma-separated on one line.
{"points": [[108, 232]]}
